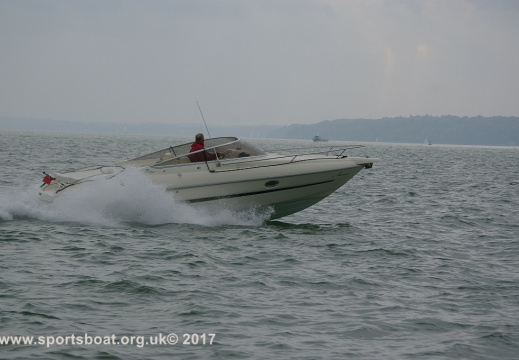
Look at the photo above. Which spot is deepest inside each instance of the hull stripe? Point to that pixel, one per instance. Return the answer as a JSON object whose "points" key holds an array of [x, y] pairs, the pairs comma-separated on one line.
{"points": [[255, 192]]}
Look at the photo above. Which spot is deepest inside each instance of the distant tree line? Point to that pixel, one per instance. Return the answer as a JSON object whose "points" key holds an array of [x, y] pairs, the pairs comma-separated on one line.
{"points": [[446, 129]]}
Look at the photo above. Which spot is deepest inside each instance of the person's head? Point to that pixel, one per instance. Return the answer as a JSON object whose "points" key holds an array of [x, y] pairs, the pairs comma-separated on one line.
{"points": [[199, 137]]}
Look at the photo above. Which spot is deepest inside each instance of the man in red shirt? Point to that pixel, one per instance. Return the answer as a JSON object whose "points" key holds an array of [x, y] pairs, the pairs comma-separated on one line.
{"points": [[202, 155]]}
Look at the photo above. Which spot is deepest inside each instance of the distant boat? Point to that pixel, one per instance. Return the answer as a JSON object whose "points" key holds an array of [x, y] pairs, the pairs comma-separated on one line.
{"points": [[318, 138], [427, 142]]}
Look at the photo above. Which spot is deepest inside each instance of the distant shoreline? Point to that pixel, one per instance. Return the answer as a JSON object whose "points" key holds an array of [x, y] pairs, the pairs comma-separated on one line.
{"points": [[447, 129]]}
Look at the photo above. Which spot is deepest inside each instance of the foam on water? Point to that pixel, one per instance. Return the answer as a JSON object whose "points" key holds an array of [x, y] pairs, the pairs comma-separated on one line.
{"points": [[129, 197]]}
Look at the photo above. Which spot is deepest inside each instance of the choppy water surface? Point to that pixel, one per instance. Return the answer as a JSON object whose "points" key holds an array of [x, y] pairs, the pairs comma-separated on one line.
{"points": [[415, 258]]}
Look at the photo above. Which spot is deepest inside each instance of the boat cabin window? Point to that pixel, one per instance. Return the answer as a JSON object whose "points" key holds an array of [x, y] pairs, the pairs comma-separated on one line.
{"points": [[226, 147], [238, 149]]}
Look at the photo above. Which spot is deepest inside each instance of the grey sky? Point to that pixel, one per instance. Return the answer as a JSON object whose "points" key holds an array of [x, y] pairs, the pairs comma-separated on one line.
{"points": [[257, 62]]}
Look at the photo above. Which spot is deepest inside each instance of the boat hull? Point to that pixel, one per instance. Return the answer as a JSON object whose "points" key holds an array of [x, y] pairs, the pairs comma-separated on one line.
{"points": [[282, 184], [285, 189]]}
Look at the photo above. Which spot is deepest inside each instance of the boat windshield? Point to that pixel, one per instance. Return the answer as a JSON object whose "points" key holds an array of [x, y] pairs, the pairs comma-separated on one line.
{"points": [[225, 147]]}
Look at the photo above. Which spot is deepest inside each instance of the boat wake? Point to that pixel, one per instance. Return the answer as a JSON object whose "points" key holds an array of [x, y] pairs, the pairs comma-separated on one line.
{"points": [[129, 197]]}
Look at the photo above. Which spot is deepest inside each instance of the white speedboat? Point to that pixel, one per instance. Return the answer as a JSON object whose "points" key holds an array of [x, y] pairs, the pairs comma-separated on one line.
{"points": [[240, 177]]}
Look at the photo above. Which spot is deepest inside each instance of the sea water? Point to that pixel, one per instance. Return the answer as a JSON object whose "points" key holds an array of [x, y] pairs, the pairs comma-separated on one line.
{"points": [[416, 258]]}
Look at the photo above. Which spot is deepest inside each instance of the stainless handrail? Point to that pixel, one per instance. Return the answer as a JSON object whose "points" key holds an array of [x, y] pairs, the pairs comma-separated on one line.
{"points": [[325, 151]]}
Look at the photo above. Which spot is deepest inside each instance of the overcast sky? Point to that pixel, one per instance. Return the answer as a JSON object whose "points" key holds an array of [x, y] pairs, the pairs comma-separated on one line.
{"points": [[257, 62]]}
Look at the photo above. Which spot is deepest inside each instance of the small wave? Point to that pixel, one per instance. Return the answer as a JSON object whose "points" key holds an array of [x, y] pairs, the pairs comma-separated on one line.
{"points": [[129, 197]]}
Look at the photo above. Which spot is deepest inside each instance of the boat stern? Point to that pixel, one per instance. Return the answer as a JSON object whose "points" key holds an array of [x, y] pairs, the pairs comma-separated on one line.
{"points": [[50, 188], [53, 185]]}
